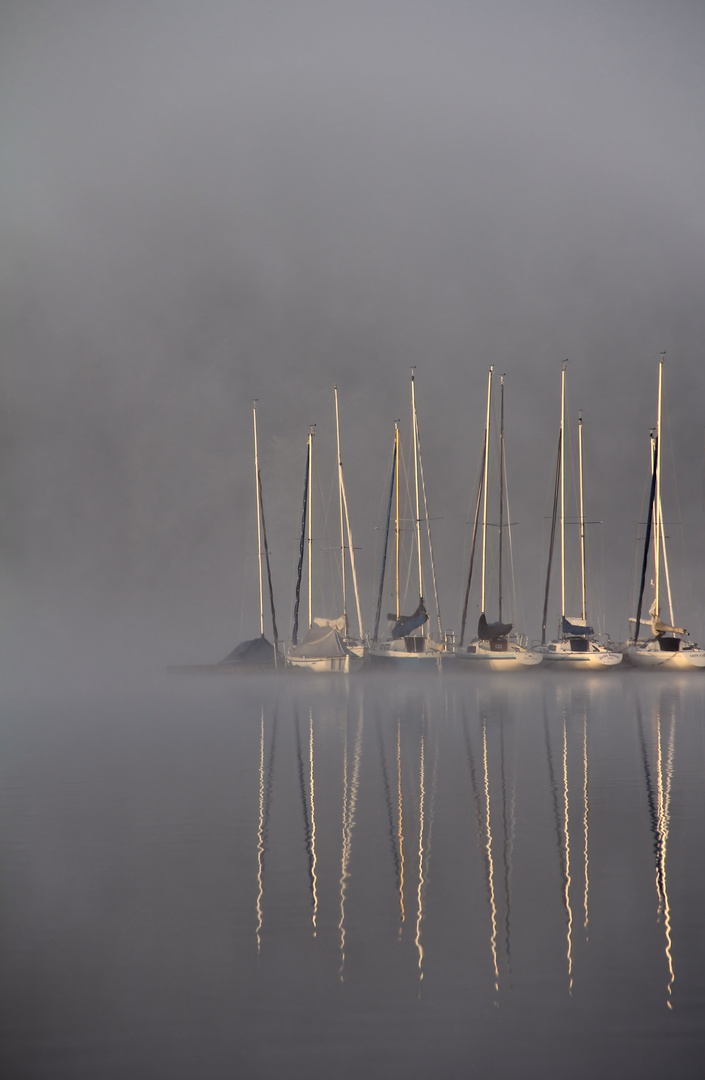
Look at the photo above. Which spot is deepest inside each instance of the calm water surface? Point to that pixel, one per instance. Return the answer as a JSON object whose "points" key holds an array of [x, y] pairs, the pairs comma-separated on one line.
{"points": [[445, 876]]}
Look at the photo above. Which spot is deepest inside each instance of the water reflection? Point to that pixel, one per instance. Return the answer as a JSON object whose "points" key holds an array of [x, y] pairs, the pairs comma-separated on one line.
{"points": [[658, 779], [398, 872], [411, 762], [350, 789]]}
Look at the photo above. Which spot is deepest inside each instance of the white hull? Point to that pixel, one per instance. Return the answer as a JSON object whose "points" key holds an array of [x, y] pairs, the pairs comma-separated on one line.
{"points": [[560, 656], [398, 654], [649, 655], [480, 657], [326, 665]]}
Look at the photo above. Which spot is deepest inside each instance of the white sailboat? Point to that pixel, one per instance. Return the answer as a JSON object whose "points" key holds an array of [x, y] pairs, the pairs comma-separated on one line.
{"points": [[326, 647], [574, 649], [494, 648], [667, 645], [408, 643]]}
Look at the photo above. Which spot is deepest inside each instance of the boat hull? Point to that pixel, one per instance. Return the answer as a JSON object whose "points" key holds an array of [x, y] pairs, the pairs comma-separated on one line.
{"points": [[649, 656], [326, 665], [484, 659], [398, 655], [560, 657]]}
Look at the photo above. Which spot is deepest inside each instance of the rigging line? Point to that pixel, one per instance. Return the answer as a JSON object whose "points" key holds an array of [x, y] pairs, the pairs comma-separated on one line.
{"points": [[647, 537], [352, 564], [275, 632], [386, 544], [553, 538], [665, 566], [430, 543], [517, 602], [474, 541], [302, 547]]}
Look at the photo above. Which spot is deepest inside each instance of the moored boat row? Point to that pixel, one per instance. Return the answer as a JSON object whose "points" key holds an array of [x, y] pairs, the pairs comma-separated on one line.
{"points": [[415, 641]]}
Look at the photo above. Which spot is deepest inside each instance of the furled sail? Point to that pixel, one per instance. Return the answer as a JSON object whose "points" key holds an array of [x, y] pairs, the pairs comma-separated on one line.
{"points": [[575, 629], [406, 624], [492, 631], [660, 627]]}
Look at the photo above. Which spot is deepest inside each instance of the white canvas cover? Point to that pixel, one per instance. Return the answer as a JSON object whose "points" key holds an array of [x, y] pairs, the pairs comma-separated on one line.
{"points": [[319, 642]]}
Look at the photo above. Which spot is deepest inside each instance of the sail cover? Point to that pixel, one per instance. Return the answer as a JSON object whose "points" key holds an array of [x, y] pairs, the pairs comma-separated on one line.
{"points": [[575, 629], [320, 642], [257, 652], [492, 631], [337, 624], [406, 624]]}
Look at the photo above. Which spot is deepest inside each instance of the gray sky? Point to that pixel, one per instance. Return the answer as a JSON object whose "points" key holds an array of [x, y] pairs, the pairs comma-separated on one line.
{"points": [[202, 204]]}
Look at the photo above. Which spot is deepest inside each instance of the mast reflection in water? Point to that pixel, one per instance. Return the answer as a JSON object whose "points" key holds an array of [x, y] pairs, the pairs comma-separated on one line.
{"points": [[440, 876]]}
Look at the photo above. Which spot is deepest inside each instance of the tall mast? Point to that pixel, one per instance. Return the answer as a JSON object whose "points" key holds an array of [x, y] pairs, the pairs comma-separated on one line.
{"points": [[259, 522], [647, 535], [340, 500], [474, 540], [501, 487], [351, 546], [657, 507], [386, 542], [310, 526], [582, 514], [416, 479], [302, 544], [396, 484], [484, 496], [563, 491], [553, 537]]}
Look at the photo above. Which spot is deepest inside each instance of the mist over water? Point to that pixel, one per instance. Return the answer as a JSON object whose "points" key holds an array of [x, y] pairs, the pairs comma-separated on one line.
{"points": [[280, 877], [335, 877], [201, 208]]}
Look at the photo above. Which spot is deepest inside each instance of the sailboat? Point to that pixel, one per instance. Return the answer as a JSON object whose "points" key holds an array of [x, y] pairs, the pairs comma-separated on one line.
{"points": [[257, 653], [668, 644], [326, 646], [575, 649], [408, 642], [493, 649]]}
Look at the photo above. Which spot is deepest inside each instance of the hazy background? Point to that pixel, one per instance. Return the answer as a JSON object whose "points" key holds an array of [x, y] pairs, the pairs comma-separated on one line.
{"points": [[203, 204]]}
